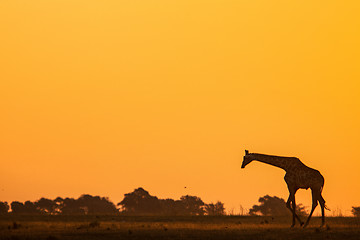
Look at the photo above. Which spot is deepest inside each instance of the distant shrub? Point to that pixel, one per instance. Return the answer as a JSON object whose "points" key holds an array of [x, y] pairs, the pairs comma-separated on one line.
{"points": [[356, 211], [215, 209]]}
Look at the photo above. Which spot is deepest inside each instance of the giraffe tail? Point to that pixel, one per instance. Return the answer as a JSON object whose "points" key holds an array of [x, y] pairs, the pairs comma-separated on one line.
{"points": [[326, 207]]}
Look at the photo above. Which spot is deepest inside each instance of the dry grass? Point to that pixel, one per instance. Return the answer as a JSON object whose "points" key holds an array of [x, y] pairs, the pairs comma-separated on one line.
{"points": [[121, 227]]}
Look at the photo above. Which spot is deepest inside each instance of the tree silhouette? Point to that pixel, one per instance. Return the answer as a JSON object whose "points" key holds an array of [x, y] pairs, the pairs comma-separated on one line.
{"points": [[356, 211], [171, 207], [273, 206], [17, 207], [140, 202], [24, 208], [70, 206], [96, 205], [215, 209], [192, 205], [4, 208], [46, 206]]}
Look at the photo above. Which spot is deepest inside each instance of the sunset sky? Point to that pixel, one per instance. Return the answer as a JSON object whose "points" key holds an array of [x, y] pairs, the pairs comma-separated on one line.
{"points": [[102, 97]]}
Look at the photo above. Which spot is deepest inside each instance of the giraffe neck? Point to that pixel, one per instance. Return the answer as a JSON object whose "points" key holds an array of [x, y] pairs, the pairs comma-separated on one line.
{"points": [[281, 162]]}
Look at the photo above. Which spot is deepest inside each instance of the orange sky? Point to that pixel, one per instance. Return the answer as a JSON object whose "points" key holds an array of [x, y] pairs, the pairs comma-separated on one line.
{"points": [[101, 97]]}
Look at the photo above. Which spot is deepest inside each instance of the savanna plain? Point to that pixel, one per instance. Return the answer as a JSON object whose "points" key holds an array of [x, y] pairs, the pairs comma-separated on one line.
{"points": [[177, 227]]}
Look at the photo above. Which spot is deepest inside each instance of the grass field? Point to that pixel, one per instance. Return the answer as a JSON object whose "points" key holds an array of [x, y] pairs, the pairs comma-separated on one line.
{"points": [[204, 227]]}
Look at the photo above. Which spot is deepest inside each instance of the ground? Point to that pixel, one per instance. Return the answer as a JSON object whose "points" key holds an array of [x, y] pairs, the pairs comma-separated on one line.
{"points": [[146, 227]]}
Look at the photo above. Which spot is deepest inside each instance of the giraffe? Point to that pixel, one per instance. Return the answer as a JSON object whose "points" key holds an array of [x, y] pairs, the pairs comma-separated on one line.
{"points": [[297, 176]]}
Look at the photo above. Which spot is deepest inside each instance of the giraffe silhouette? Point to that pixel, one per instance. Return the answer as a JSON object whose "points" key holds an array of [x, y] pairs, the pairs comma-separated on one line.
{"points": [[297, 176]]}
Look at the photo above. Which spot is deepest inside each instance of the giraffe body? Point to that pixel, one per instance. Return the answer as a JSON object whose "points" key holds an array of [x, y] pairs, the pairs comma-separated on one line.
{"points": [[304, 178], [297, 176]]}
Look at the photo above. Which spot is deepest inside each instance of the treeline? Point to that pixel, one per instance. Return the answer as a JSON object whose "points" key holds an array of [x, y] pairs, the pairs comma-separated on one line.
{"points": [[85, 204], [138, 202]]}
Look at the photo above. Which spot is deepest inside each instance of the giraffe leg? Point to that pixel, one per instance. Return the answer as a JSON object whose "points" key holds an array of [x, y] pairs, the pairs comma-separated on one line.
{"points": [[290, 200], [288, 205], [322, 205], [315, 199], [294, 210]]}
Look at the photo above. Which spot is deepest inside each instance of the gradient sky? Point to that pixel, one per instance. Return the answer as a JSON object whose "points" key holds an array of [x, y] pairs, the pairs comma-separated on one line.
{"points": [[102, 97]]}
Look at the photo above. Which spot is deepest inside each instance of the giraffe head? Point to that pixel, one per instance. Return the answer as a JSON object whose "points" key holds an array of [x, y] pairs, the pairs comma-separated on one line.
{"points": [[247, 159]]}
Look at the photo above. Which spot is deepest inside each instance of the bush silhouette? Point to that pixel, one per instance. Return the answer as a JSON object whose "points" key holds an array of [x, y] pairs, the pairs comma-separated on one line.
{"points": [[4, 208], [24, 208], [192, 205], [96, 205], [215, 209], [274, 206], [356, 211], [140, 202], [46, 206]]}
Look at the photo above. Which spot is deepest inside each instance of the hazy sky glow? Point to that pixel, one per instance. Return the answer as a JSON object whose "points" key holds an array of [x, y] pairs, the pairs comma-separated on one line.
{"points": [[101, 97]]}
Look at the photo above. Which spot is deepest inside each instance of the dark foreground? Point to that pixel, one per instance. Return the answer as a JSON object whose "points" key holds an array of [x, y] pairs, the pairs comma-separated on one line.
{"points": [[121, 227]]}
